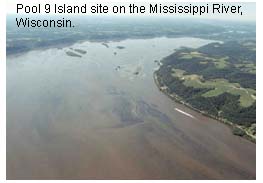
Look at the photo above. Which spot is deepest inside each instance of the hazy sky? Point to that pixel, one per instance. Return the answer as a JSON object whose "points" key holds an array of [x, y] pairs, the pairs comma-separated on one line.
{"points": [[248, 8]]}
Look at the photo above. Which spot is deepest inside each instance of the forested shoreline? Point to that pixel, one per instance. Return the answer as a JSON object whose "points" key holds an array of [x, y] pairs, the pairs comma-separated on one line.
{"points": [[217, 80]]}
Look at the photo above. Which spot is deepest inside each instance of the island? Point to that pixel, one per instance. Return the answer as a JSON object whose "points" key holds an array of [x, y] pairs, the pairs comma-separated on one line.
{"points": [[72, 54], [80, 51], [120, 47]]}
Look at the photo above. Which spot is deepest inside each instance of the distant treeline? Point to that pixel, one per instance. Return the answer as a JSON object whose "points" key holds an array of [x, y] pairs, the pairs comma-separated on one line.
{"points": [[21, 40]]}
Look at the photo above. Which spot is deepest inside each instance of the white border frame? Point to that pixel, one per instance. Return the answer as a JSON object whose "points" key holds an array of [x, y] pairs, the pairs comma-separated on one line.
{"points": [[259, 169]]}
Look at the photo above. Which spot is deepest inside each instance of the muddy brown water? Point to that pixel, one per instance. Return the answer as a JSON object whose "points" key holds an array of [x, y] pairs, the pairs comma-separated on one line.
{"points": [[101, 116]]}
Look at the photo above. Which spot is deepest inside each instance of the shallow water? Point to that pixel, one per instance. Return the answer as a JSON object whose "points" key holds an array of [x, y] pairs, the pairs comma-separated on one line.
{"points": [[100, 116]]}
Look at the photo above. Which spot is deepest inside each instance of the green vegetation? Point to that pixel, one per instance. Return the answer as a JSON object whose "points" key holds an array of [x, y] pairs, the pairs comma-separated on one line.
{"points": [[238, 131], [72, 54], [120, 47], [217, 86], [80, 51], [217, 79], [219, 63]]}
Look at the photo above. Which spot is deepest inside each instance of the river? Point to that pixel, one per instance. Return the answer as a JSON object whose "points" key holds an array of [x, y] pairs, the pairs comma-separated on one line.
{"points": [[101, 116]]}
